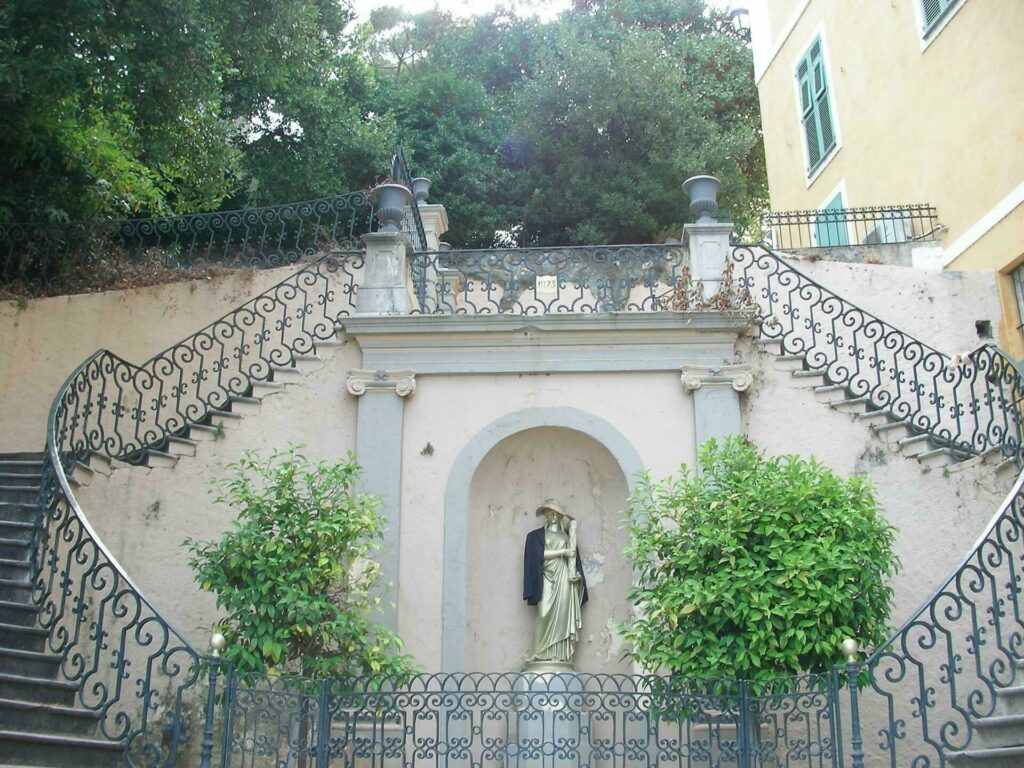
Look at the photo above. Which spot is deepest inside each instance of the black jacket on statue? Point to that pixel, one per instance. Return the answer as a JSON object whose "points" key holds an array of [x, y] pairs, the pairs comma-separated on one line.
{"points": [[533, 568]]}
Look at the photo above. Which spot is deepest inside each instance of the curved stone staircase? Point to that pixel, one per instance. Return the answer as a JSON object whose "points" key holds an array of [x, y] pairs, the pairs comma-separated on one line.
{"points": [[43, 721]]}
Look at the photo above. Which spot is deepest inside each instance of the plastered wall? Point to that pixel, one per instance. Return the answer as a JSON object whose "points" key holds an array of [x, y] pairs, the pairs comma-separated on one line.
{"points": [[43, 340]]}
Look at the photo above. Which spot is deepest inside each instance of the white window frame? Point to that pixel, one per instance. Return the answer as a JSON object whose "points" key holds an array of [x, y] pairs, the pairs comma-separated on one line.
{"points": [[927, 38], [826, 58]]}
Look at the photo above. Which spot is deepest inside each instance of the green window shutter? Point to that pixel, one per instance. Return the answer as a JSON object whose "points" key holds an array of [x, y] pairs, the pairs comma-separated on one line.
{"points": [[933, 11], [816, 110], [830, 225]]}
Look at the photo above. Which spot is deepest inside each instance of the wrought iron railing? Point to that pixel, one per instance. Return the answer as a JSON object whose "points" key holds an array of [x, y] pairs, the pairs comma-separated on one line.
{"points": [[143, 678], [952, 664], [400, 172], [530, 720], [131, 667], [969, 404], [874, 225], [42, 259], [537, 281]]}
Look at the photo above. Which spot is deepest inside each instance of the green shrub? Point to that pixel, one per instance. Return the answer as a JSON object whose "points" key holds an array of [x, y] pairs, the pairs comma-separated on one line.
{"points": [[756, 567], [294, 572]]}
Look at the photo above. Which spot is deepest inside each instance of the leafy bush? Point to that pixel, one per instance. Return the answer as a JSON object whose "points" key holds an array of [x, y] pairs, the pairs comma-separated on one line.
{"points": [[756, 567], [293, 572]]}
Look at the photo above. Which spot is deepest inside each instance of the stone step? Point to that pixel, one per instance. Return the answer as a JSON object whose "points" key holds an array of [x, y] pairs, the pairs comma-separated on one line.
{"points": [[54, 750], [81, 474], [880, 416], [15, 531], [181, 446], [15, 591], [31, 468], [15, 569], [13, 549], [830, 393], [789, 362], [999, 757], [19, 494], [38, 690], [224, 419], [22, 638], [285, 374], [773, 346], [1006, 465], [856, 405], [100, 463], [22, 456], [203, 433], [17, 512], [244, 406], [160, 459], [33, 716], [892, 432], [937, 457], [1010, 700], [29, 663], [307, 362], [915, 445], [18, 614], [999, 731], [262, 389]]}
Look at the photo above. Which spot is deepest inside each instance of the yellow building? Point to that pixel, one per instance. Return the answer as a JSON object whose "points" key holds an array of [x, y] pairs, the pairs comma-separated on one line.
{"points": [[902, 102]]}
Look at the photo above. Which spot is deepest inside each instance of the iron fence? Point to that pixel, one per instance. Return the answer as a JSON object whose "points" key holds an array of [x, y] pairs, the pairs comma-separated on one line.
{"points": [[969, 403], [537, 281], [41, 259], [929, 693], [830, 227]]}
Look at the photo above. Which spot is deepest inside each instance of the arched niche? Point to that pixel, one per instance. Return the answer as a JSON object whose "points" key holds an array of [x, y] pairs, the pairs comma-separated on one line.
{"points": [[502, 475]]}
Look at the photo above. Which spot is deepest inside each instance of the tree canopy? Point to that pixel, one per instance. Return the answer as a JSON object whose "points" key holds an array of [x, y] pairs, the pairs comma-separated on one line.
{"points": [[576, 130]]}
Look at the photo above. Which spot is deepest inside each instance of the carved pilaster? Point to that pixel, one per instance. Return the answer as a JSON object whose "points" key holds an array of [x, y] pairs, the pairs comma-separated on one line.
{"points": [[737, 376], [360, 381]]}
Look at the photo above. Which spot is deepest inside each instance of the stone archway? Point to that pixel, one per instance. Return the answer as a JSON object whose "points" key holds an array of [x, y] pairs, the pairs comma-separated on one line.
{"points": [[499, 478]]}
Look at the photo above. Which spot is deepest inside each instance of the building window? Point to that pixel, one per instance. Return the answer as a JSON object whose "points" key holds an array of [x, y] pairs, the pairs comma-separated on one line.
{"points": [[815, 109], [933, 11], [1018, 289], [830, 224]]}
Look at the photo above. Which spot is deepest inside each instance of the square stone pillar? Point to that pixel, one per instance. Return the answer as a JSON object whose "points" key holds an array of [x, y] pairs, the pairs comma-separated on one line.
{"points": [[383, 290], [709, 250], [379, 421], [424, 279], [716, 398]]}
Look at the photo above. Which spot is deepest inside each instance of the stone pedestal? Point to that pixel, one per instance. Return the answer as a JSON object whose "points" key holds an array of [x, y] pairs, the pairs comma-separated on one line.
{"points": [[709, 250], [383, 290], [552, 728]]}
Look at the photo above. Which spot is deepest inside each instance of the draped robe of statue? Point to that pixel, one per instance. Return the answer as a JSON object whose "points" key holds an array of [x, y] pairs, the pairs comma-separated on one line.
{"points": [[557, 586]]}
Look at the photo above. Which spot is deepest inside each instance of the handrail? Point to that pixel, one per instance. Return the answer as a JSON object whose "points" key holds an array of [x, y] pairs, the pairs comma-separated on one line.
{"points": [[967, 404], [123, 655], [46, 257]]}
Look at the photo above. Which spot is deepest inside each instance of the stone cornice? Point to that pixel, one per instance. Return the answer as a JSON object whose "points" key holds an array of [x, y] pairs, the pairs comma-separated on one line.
{"points": [[486, 344], [401, 382], [737, 376]]}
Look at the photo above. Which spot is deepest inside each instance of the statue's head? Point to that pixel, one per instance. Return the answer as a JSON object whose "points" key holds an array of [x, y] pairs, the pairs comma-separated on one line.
{"points": [[552, 511]]}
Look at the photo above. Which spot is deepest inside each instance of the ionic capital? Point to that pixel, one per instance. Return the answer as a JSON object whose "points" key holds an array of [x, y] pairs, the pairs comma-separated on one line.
{"points": [[360, 381], [739, 377]]}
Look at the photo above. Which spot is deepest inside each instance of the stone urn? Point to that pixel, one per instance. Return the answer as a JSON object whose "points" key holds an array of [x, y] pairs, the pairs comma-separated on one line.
{"points": [[392, 200], [703, 194], [421, 188]]}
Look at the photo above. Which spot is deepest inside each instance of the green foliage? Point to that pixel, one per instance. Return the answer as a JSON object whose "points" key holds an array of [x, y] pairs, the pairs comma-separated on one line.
{"points": [[294, 572], [757, 567], [114, 109], [580, 130]]}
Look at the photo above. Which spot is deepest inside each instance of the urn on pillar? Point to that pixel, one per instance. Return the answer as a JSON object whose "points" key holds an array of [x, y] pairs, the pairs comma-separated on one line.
{"points": [[392, 199]]}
